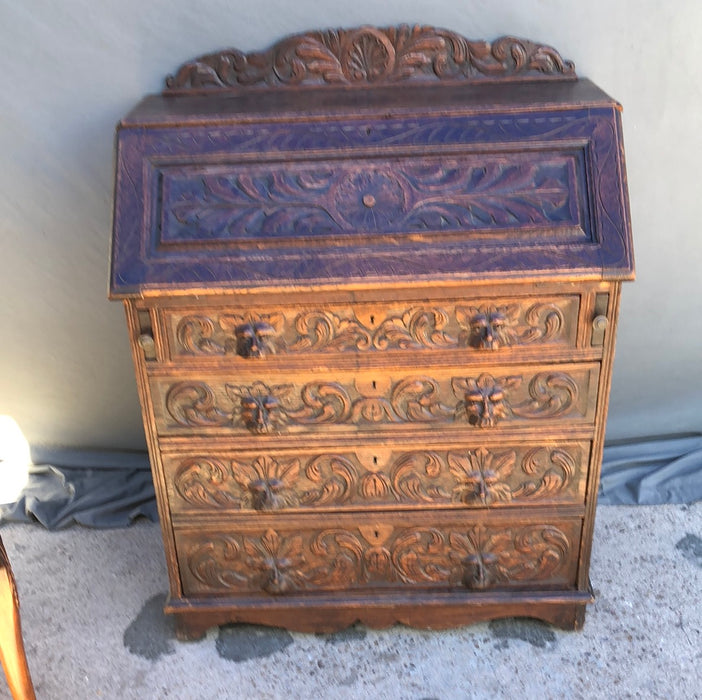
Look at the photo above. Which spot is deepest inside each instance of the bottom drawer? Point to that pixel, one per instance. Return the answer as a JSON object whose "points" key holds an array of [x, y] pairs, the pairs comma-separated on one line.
{"points": [[269, 556]]}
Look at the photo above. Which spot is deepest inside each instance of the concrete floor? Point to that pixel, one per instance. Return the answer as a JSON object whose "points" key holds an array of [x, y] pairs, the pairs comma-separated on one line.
{"points": [[91, 614]]}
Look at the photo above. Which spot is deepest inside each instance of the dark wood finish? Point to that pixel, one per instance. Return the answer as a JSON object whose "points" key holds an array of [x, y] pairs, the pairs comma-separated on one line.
{"points": [[372, 280], [372, 56], [12, 655]]}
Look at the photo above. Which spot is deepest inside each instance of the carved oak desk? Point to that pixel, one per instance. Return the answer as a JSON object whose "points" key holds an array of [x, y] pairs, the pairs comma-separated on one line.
{"points": [[372, 280]]}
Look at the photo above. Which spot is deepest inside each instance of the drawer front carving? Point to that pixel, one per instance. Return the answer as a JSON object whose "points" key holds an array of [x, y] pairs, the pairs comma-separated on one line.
{"points": [[500, 396], [479, 325], [462, 477], [278, 559]]}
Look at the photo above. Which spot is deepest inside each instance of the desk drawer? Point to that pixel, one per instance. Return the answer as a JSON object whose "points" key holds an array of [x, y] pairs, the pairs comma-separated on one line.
{"points": [[482, 326], [386, 551], [468, 475], [347, 402]]}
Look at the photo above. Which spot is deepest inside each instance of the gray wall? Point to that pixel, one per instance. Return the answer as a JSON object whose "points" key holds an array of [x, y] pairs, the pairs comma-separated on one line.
{"points": [[71, 69]]}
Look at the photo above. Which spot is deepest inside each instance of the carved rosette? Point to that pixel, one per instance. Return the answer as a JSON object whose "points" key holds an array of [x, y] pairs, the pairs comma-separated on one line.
{"points": [[372, 56], [482, 327], [467, 478], [332, 559]]}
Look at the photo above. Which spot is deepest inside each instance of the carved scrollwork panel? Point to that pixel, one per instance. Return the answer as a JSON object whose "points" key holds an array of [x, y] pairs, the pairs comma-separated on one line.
{"points": [[550, 394], [488, 558], [486, 400], [265, 205], [482, 401], [481, 557], [194, 404], [472, 478], [364, 329], [206, 483], [244, 334], [496, 326]]}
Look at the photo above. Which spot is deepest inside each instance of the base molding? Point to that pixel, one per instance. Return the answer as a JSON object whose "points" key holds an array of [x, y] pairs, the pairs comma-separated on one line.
{"points": [[329, 613]]}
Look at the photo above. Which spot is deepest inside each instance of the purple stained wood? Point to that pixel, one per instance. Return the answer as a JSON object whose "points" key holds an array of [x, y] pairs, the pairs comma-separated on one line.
{"points": [[330, 201], [449, 197]]}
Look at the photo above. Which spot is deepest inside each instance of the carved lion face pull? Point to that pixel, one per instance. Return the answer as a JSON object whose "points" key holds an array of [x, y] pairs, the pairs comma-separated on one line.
{"points": [[253, 339], [485, 402], [265, 493], [486, 330], [256, 412], [477, 570]]}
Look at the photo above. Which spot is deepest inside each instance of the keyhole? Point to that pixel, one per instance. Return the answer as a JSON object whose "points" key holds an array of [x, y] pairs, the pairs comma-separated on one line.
{"points": [[375, 460], [376, 534], [374, 384], [372, 320]]}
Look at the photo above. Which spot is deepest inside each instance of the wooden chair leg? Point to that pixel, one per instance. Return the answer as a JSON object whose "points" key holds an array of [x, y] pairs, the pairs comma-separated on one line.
{"points": [[12, 653]]}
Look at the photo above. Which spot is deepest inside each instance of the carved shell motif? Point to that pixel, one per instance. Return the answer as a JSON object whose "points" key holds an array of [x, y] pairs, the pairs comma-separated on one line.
{"points": [[372, 56]]}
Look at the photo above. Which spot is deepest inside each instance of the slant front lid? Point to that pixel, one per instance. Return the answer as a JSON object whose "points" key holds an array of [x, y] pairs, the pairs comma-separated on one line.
{"points": [[469, 161]]}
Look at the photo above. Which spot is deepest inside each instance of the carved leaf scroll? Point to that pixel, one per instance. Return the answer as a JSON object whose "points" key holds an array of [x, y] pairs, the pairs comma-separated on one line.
{"points": [[482, 401], [269, 202], [334, 558], [473, 478], [481, 326], [372, 56]]}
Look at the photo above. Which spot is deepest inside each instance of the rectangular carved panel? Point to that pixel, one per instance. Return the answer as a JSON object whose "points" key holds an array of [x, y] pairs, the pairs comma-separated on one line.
{"points": [[346, 401], [479, 326], [332, 201], [496, 212], [465, 476], [277, 557]]}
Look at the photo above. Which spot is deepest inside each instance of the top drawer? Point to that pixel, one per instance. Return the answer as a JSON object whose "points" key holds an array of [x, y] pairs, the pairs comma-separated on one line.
{"points": [[479, 325]]}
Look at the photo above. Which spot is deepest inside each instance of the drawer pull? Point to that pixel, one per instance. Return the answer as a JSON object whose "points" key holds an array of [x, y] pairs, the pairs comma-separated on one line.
{"points": [[600, 320], [258, 412], [252, 339], [600, 324], [148, 345], [485, 399], [486, 330]]}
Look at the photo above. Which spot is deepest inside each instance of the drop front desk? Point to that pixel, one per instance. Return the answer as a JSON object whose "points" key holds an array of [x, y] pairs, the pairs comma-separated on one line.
{"points": [[371, 279]]}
